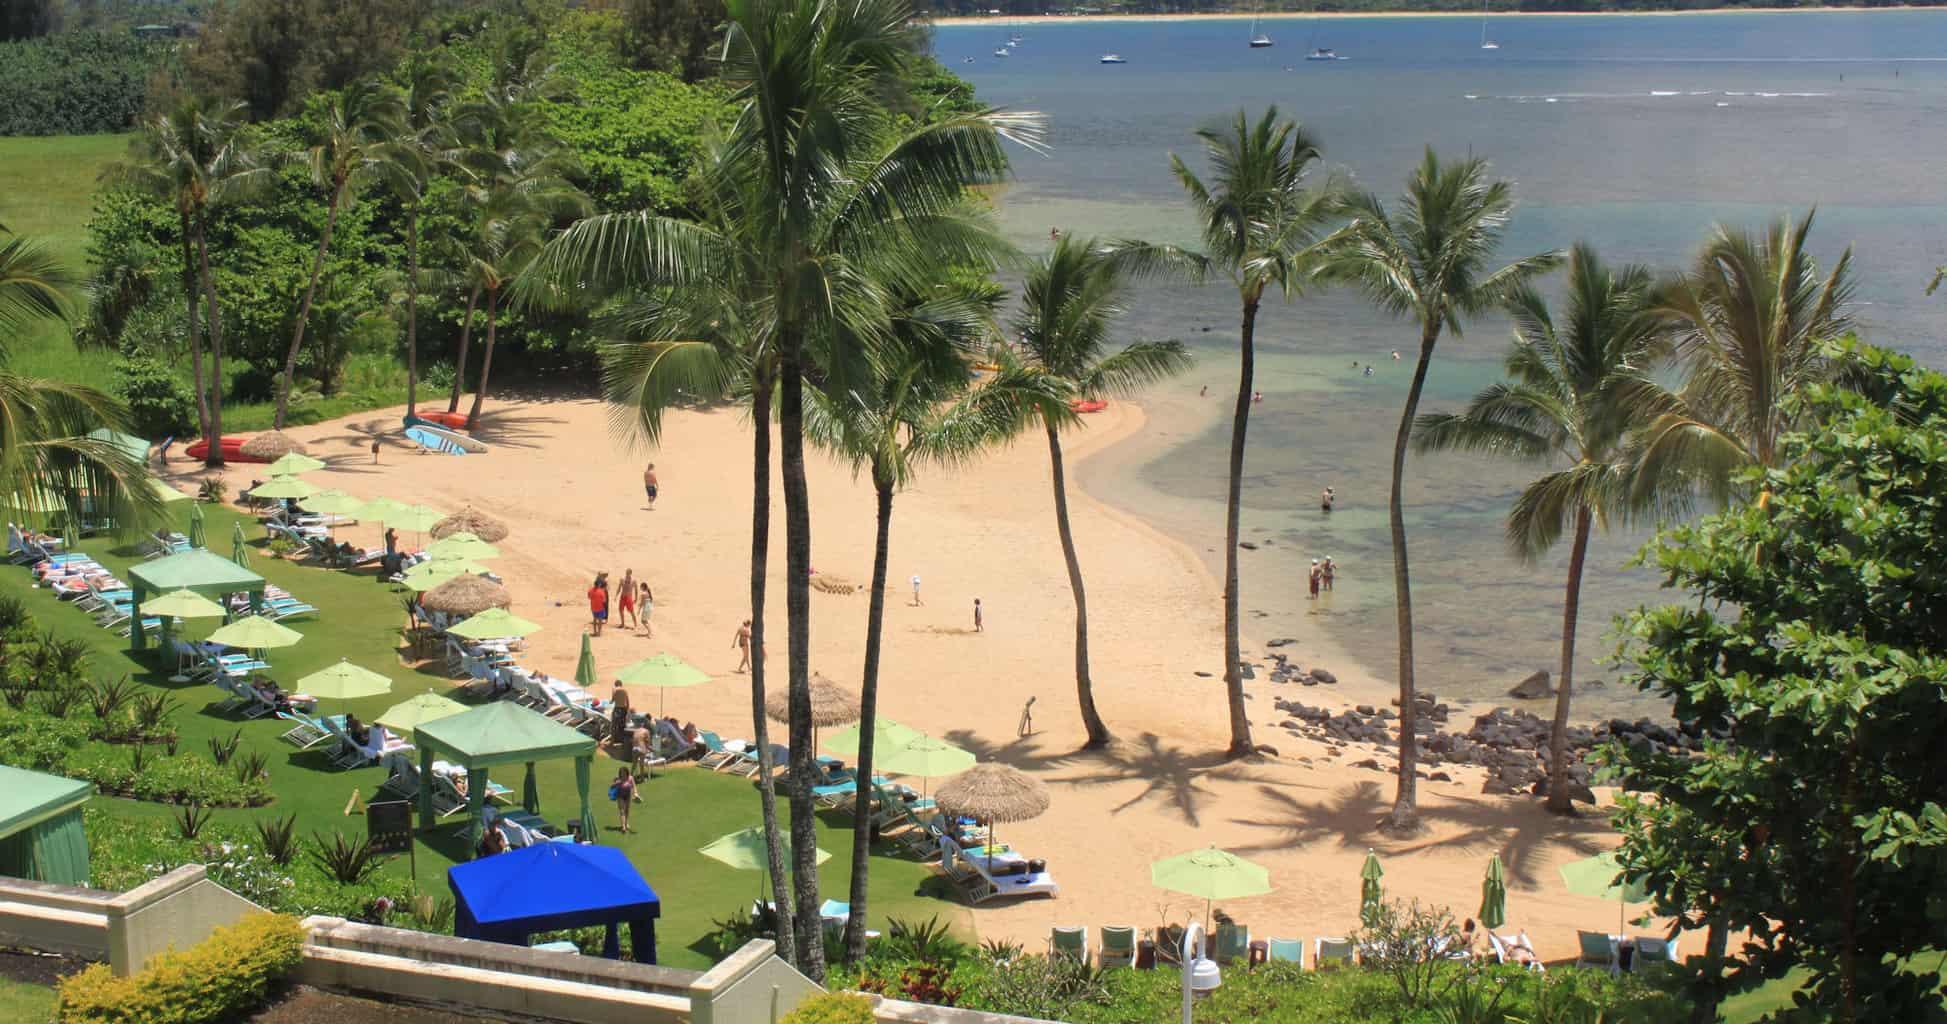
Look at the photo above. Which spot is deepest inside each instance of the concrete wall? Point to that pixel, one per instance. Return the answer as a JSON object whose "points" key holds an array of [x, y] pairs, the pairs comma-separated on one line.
{"points": [[61, 919], [751, 986], [177, 911]]}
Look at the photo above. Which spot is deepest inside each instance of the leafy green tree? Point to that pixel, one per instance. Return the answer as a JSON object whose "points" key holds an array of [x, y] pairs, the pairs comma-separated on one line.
{"points": [[1429, 262], [197, 157], [672, 35], [1749, 318], [1069, 305], [426, 146], [78, 83], [356, 141], [1262, 227], [1811, 645], [1568, 403], [273, 54]]}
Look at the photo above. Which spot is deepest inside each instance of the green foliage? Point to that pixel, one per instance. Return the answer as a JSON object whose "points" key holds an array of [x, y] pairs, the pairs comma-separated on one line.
{"points": [[347, 860], [77, 83], [160, 403], [190, 819], [252, 768], [233, 971], [1049, 988], [107, 698], [1408, 942], [272, 54], [279, 838], [1811, 645], [222, 748], [832, 1008], [177, 779]]}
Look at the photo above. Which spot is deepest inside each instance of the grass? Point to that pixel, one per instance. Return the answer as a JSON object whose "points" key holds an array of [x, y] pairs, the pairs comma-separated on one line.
{"points": [[25, 1002], [47, 188], [681, 811]]}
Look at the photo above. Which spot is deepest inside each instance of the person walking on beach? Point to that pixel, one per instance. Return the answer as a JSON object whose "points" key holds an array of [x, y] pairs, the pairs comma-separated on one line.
{"points": [[1317, 578], [649, 485], [1326, 572], [622, 791], [916, 601], [1325, 501], [625, 604], [648, 605], [598, 604], [742, 643], [979, 627]]}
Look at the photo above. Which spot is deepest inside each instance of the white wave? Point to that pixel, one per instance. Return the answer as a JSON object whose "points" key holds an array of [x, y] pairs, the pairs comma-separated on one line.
{"points": [[1664, 92], [1721, 103]]}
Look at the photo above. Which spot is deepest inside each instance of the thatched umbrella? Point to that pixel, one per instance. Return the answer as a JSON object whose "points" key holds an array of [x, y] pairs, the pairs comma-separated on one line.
{"points": [[271, 446], [993, 792], [831, 704], [473, 521], [467, 595]]}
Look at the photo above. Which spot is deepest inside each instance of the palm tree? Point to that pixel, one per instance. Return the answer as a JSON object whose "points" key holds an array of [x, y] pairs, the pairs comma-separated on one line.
{"points": [[355, 142], [423, 149], [1430, 263], [1068, 305], [1747, 319], [196, 156], [46, 452], [1568, 401], [915, 408], [1261, 229]]}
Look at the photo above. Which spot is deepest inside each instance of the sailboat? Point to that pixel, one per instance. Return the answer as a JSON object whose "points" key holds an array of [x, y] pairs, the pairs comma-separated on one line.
{"points": [[1486, 43], [1258, 39], [1319, 52]]}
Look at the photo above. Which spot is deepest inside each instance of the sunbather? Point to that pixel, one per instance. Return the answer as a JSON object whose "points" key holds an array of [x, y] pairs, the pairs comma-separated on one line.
{"points": [[1517, 949]]}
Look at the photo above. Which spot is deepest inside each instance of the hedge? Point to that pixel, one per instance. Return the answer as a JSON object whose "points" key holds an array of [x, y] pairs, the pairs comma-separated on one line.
{"points": [[832, 1008], [38, 742], [230, 973]]}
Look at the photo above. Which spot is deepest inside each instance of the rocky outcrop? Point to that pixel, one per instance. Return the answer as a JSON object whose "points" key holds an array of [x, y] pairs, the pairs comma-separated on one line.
{"points": [[1535, 687]]}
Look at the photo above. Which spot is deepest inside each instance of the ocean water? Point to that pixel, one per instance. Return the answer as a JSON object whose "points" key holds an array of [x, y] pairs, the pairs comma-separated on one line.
{"points": [[1634, 133]]}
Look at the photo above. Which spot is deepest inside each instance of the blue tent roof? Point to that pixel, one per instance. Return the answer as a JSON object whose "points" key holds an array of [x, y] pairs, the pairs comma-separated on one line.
{"points": [[549, 887]]}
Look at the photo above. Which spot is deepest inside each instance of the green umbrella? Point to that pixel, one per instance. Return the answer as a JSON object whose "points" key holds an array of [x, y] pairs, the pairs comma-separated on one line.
{"points": [[166, 492], [493, 624], [585, 667], [293, 463], [256, 633], [663, 672], [382, 510], [1597, 877], [462, 545], [1371, 897], [427, 575], [182, 604], [196, 539], [887, 736], [416, 519], [747, 851], [1212, 874], [345, 681], [283, 487], [927, 758], [402, 718], [332, 503], [1494, 896], [239, 551]]}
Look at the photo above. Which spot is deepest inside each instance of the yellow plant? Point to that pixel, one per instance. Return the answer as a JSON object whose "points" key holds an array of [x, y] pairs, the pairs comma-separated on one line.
{"points": [[232, 971], [832, 1008]]}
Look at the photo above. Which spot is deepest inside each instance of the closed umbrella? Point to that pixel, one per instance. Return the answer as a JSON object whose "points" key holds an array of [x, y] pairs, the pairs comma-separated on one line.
{"points": [[462, 545], [196, 539], [664, 672], [585, 665], [1600, 877], [1494, 896], [1371, 896], [493, 624], [1212, 874], [345, 681], [926, 757], [239, 551], [747, 851], [283, 487], [295, 463], [402, 718]]}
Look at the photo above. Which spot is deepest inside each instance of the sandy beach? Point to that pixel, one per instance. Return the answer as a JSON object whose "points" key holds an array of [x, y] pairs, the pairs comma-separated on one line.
{"points": [[1062, 19], [572, 496]]}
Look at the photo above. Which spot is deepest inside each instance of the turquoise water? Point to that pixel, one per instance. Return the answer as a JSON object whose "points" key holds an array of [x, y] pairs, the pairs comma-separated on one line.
{"points": [[1634, 133]]}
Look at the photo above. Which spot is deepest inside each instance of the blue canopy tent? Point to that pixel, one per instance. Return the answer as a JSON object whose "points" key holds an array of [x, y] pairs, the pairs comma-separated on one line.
{"points": [[552, 886]]}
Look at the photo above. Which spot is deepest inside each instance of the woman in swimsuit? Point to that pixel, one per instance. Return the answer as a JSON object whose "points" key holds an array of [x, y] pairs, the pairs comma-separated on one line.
{"points": [[648, 605]]}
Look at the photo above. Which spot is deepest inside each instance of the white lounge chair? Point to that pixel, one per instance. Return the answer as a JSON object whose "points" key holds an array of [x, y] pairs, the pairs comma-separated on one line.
{"points": [[1599, 951], [972, 873]]}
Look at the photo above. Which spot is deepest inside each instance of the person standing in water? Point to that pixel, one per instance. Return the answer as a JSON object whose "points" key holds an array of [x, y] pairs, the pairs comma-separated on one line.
{"points": [[1326, 572], [1315, 577], [1325, 501]]}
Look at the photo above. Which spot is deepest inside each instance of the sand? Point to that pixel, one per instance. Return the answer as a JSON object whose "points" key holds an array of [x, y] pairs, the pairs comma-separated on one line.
{"points": [[572, 495]]}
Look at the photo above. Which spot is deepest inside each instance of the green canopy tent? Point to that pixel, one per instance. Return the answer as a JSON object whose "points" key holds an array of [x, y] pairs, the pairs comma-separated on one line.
{"points": [[134, 447], [495, 734], [208, 574], [41, 837]]}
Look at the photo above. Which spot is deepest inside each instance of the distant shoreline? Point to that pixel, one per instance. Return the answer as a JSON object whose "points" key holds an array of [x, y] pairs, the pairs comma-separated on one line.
{"points": [[1063, 19]]}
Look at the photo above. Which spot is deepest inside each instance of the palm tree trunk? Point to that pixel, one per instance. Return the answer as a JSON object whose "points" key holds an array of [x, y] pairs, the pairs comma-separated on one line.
{"points": [[466, 334], [412, 308], [760, 555], [214, 319], [1405, 813], [875, 615], [1240, 724], [1098, 733], [195, 343], [797, 608], [304, 308], [486, 360], [1558, 800]]}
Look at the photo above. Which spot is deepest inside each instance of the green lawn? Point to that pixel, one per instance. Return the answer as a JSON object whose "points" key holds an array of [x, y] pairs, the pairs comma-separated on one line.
{"points": [[681, 810], [25, 1003], [47, 188]]}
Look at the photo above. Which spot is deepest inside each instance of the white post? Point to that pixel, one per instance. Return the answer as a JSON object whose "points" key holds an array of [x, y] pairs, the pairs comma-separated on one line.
{"points": [[1191, 952]]}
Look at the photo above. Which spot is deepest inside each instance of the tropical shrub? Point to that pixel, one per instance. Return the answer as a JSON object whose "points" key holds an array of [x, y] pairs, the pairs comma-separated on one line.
{"points": [[160, 403], [76, 83], [832, 1008], [234, 970]]}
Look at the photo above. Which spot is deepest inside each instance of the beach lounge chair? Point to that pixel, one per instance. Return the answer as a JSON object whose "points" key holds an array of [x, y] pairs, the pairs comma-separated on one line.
{"points": [[722, 758], [305, 731], [984, 875], [715, 755], [1330, 952], [1599, 951], [1652, 952], [1071, 942], [1288, 951], [1118, 946], [457, 776], [1233, 942]]}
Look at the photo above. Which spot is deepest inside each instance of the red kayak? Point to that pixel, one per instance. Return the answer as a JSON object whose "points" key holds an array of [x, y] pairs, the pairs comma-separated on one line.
{"points": [[1087, 405], [232, 450], [449, 420]]}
